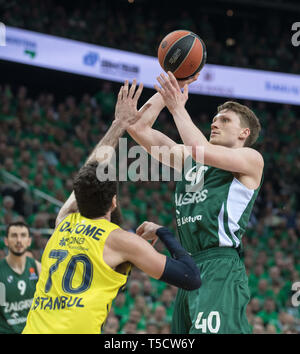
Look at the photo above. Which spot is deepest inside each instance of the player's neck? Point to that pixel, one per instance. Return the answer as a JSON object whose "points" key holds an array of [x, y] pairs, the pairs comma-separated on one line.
{"points": [[17, 263], [107, 216]]}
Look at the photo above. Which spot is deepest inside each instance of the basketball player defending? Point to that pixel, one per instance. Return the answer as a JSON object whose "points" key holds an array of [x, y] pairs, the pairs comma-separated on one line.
{"points": [[211, 220], [87, 259]]}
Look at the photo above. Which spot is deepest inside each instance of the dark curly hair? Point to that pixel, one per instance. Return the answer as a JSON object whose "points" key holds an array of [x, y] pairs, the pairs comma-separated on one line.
{"points": [[17, 223], [94, 197]]}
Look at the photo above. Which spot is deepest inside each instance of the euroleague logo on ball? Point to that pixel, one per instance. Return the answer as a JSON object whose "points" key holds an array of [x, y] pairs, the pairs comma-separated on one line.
{"points": [[164, 44]]}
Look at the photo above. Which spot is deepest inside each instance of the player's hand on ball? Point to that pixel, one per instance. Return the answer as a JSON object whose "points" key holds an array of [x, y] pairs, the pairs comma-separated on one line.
{"points": [[147, 230], [171, 91], [126, 112], [181, 83]]}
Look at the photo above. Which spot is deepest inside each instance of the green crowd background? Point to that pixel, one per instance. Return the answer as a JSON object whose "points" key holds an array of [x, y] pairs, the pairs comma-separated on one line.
{"points": [[43, 143], [48, 130]]}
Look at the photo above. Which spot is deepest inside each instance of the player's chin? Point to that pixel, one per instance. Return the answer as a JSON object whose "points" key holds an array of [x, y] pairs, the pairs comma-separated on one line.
{"points": [[214, 140], [19, 251]]}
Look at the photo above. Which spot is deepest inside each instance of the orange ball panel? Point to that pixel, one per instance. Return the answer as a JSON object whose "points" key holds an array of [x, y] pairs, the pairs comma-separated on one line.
{"points": [[191, 62]]}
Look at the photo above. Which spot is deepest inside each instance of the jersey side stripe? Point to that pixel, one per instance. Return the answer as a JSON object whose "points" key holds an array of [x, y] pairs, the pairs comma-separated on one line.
{"points": [[224, 240], [238, 200]]}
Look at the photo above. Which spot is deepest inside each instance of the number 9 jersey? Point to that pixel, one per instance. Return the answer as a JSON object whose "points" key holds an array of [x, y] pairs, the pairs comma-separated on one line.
{"points": [[76, 287]]}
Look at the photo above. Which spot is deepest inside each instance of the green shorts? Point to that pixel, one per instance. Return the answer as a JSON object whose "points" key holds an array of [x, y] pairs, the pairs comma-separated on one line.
{"points": [[219, 305]]}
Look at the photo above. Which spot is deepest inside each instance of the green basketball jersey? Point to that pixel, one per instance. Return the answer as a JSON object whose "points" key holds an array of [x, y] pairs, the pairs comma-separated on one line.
{"points": [[212, 208], [19, 292]]}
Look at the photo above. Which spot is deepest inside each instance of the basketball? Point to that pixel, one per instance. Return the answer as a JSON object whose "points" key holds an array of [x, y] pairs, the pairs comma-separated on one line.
{"points": [[183, 53]]}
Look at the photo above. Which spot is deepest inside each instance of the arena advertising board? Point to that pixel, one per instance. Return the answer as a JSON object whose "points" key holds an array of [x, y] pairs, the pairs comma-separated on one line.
{"points": [[91, 60]]}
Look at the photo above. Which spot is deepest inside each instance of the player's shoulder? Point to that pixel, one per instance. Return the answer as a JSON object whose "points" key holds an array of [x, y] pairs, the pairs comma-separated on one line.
{"points": [[119, 234], [254, 155], [64, 217], [2, 263], [120, 239]]}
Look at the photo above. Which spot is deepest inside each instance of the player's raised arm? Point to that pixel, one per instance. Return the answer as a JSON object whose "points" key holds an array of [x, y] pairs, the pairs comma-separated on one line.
{"points": [[233, 157], [143, 133], [127, 97], [179, 269]]}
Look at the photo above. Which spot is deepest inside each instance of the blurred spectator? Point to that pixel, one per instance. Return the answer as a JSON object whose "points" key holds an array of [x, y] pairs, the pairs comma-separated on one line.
{"points": [[7, 213], [111, 325], [253, 45], [269, 313], [134, 289]]}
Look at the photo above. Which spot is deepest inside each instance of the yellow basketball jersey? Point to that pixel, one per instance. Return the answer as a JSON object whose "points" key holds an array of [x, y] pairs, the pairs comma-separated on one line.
{"points": [[76, 287]]}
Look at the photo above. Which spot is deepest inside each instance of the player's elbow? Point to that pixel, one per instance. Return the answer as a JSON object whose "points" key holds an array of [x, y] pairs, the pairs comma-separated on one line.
{"points": [[194, 282], [182, 273]]}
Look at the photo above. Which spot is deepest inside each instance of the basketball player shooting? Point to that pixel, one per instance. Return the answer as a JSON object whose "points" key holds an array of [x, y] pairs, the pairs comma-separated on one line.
{"points": [[217, 214], [88, 257]]}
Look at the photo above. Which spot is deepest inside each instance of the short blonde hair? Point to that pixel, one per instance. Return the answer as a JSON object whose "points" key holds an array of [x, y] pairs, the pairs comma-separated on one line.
{"points": [[247, 117]]}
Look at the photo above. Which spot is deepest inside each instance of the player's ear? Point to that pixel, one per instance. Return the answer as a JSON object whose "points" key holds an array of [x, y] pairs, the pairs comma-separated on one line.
{"points": [[245, 133], [29, 241], [6, 240], [114, 202]]}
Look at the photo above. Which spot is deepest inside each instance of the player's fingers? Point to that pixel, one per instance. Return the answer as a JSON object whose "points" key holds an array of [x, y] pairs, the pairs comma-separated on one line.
{"points": [[167, 83], [138, 92], [153, 242], [192, 79], [173, 80], [186, 90], [196, 76], [120, 94], [159, 89], [125, 89], [132, 89], [140, 230], [161, 81]]}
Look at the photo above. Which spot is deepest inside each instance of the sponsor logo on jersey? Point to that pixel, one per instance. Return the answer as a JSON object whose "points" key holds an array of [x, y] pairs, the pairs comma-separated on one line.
{"points": [[15, 319], [187, 219], [80, 228], [195, 178], [190, 198], [17, 306], [32, 275]]}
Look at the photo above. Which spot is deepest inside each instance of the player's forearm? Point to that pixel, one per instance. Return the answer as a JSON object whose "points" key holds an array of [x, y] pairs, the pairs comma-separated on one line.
{"points": [[110, 140], [103, 151], [149, 117], [188, 131], [180, 270]]}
